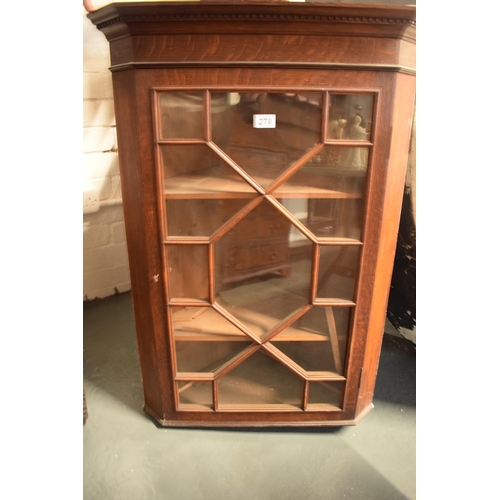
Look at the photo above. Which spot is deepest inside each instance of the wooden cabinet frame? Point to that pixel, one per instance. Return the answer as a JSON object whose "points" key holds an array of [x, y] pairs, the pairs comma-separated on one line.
{"points": [[250, 47]]}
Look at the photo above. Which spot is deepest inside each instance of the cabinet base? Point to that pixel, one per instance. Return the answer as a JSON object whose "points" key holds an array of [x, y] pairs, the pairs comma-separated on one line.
{"points": [[258, 423]]}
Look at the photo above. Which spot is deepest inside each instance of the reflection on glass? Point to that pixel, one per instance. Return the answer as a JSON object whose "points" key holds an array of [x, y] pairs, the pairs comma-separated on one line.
{"points": [[337, 272], [355, 158], [195, 394], [188, 271], [350, 117], [332, 173], [317, 341], [325, 394], [326, 194], [195, 170], [262, 274], [200, 217], [181, 115], [260, 380], [265, 153]]}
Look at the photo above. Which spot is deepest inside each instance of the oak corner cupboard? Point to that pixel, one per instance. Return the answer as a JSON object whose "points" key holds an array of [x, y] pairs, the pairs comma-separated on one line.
{"points": [[263, 149]]}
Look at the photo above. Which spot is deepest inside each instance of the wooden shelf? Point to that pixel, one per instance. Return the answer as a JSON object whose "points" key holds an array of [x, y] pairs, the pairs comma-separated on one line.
{"points": [[299, 191], [207, 183], [195, 324], [203, 184]]}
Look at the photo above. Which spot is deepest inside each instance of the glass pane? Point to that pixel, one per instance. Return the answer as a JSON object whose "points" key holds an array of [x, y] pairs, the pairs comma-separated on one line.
{"points": [[317, 341], [332, 218], [338, 266], [206, 356], [200, 217], [195, 170], [262, 271], [260, 380], [195, 394], [323, 394], [334, 172], [190, 322], [205, 340], [326, 194], [311, 356], [181, 115], [188, 271], [265, 153], [350, 117]]}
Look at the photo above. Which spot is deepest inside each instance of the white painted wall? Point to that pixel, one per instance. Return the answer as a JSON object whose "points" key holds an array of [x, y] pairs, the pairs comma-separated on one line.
{"points": [[105, 259]]}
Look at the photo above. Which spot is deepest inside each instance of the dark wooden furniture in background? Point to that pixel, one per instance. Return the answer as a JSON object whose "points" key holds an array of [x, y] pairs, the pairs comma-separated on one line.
{"points": [[85, 410], [260, 258]]}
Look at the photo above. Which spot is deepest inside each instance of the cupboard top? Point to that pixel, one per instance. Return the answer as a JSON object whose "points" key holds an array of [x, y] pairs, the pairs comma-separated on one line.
{"points": [[152, 33]]}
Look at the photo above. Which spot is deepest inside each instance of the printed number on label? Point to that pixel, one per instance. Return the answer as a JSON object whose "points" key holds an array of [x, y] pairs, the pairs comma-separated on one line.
{"points": [[264, 121]]}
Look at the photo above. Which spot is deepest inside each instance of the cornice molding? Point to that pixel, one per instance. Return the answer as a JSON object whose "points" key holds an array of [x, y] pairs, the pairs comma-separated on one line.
{"points": [[254, 17]]}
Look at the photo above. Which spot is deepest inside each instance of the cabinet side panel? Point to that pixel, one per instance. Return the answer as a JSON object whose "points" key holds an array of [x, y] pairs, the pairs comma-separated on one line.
{"points": [[139, 184], [401, 122]]}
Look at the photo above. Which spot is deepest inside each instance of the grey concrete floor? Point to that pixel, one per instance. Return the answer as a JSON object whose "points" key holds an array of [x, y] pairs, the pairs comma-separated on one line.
{"points": [[127, 457]]}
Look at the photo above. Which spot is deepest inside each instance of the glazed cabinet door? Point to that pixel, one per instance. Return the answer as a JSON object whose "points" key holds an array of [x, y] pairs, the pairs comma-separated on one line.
{"points": [[263, 200]]}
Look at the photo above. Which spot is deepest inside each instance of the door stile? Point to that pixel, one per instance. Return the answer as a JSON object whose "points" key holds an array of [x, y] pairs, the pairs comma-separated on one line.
{"points": [[208, 116], [305, 395], [211, 273], [334, 340], [314, 272]]}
